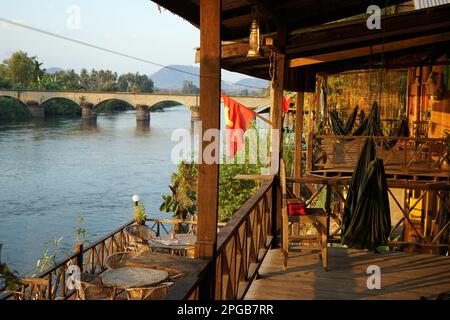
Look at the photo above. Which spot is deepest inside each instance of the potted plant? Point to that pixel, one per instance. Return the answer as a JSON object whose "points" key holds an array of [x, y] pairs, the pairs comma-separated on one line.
{"points": [[140, 214]]}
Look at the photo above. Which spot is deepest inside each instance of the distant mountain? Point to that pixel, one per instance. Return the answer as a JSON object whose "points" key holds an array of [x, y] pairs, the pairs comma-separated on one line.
{"points": [[169, 79], [53, 70], [253, 82], [252, 86]]}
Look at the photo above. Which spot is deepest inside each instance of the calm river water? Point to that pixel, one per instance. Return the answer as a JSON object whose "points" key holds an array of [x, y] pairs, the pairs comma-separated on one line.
{"points": [[54, 170]]}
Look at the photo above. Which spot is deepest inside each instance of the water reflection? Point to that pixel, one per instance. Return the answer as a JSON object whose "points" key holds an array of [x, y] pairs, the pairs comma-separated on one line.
{"points": [[89, 125], [142, 128]]}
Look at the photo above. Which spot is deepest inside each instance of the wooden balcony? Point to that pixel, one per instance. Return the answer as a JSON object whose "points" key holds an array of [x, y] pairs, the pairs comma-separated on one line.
{"points": [[247, 268], [403, 276]]}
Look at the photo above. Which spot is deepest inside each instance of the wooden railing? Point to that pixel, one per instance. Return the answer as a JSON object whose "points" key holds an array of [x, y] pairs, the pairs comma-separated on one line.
{"points": [[92, 258], [398, 153], [241, 247]]}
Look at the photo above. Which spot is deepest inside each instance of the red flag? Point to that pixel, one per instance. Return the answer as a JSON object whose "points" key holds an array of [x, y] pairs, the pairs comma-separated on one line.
{"points": [[237, 120], [286, 104]]}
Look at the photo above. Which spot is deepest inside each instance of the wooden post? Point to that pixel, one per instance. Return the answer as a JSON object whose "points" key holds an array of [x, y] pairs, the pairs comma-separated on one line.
{"points": [[277, 87], [309, 152], [328, 207], [208, 192], [298, 141], [79, 251]]}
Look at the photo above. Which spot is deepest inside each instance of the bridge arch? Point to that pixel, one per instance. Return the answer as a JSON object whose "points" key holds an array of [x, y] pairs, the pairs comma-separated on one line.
{"points": [[125, 105], [13, 109], [43, 102], [70, 107], [168, 103], [14, 99]]}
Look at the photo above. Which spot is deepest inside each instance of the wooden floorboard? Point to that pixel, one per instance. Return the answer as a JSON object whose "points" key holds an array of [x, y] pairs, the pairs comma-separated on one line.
{"points": [[403, 276]]}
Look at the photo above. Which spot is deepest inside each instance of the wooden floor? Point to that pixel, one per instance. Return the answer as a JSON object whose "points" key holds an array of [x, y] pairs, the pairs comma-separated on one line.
{"points": [[403, 276]]}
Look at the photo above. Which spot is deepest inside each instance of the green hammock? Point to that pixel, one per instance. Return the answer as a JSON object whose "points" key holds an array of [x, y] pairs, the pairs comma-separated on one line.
{"points": [[336, 124], [367, 222], [371, 126]]}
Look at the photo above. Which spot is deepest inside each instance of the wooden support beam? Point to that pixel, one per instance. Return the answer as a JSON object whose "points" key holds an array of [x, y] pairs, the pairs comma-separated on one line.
{"points": [[210, 74], [298, 141], [366, 51], [276, 114]]}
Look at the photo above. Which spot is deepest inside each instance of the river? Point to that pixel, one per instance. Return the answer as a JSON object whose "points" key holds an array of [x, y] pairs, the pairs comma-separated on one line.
{"points": [[54, 170]]}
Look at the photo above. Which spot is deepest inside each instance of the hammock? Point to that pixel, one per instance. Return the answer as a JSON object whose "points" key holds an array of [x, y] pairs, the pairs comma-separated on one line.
{"points": [[366, 221], [336, 124], [371, 126]]}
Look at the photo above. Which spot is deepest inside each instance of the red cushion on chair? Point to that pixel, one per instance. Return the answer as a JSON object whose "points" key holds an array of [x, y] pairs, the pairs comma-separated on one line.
{"points": [[297, 209]]}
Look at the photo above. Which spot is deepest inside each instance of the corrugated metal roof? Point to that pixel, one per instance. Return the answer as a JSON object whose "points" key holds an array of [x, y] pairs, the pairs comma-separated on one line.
{"points": [[422, 4]]}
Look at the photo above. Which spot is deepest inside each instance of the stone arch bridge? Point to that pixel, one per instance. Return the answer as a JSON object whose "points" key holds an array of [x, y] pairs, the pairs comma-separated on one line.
{"points": [[142, 102]]}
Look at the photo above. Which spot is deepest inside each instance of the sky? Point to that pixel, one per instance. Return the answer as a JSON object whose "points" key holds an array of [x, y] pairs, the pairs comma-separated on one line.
{"points": [[133, 27]]}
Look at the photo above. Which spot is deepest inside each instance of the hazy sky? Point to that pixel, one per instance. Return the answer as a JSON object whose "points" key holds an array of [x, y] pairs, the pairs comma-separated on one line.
{"points": [[134, 27]]}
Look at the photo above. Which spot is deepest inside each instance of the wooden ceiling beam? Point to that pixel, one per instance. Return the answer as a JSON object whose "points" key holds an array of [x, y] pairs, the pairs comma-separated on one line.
{"points": [[349, 32], [332, 10], [267, 9], [390, 60], [367, 51]]}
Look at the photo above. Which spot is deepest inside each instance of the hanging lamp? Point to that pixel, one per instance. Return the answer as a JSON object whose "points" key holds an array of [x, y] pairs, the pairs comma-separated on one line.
{"points": [[254, 38]]}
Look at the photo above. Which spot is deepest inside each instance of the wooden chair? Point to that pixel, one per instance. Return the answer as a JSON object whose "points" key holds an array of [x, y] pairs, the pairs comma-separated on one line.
{"points": [[94, 289], [34, 289], [117, 260], [149, 293], [138, 236], [316, 216]]}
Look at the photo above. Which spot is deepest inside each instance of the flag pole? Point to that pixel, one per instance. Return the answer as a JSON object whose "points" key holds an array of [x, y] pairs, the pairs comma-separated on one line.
{"points": [[264, 119]]}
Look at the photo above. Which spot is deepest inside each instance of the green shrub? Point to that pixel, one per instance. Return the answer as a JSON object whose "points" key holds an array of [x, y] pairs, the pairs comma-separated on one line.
{"points": [[61, 107], [13, 110]]}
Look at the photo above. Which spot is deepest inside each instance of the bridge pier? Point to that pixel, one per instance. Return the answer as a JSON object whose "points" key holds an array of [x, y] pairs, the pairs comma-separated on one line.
{"points": [[36, 110], [195, 113], [88, 111], [143, 114]]}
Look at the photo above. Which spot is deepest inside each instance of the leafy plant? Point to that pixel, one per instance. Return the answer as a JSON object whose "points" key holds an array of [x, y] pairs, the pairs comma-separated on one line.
{"points": [[81, 234], [140, 214], [54, 249], [182, 201], [8, 278]]}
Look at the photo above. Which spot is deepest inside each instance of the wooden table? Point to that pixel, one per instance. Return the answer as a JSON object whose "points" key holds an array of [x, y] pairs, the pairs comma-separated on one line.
{"points": [[190, 269], [133, 277], [319, 217], [182, 244]]}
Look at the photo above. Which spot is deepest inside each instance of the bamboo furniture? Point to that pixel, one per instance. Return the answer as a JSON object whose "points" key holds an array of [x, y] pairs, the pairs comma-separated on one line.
{"points": [[34, 289], [94, 289], [183, 245], [149, 293], [138, 237]]}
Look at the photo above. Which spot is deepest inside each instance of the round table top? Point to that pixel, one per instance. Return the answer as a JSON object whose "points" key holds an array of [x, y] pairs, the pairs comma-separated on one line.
{"points": [[181, 241], [133, 277]]}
